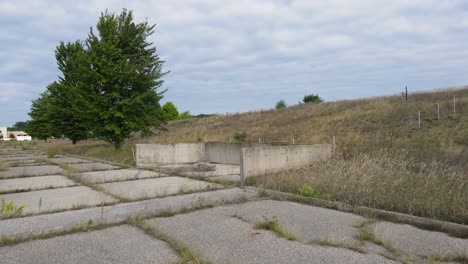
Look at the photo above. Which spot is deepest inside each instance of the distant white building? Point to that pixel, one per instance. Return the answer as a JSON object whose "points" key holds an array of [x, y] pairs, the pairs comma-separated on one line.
{"points": [[3, 133], [15, 135]]}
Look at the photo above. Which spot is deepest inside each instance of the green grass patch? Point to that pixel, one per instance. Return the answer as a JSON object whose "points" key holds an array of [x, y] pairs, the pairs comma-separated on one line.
{"points": [[10, 209], [272, 224]]}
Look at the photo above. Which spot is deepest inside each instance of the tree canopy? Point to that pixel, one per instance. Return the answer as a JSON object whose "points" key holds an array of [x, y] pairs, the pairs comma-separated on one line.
{"points": [[170, 112], [109, 84]]}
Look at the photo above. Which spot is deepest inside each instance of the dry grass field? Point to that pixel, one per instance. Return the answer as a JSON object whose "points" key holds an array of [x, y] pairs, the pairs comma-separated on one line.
{"points": [[383, 159]]}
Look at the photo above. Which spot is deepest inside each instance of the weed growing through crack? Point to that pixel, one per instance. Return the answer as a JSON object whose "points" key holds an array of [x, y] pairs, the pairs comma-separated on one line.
{"points": [[330, 242], [272, 224], [39, 205], [454, 257], [3, 166], [51, 153], [9, 209], [186, 253]]}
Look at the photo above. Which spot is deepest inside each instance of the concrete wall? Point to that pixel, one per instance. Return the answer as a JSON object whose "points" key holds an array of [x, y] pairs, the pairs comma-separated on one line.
{"points": [[262, 160], [226, 153], [147, 155]]}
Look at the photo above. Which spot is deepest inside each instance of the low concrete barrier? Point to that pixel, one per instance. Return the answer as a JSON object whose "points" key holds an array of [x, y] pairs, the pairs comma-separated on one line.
{"points": [[262, 160], [227, 153], [147, 155]]}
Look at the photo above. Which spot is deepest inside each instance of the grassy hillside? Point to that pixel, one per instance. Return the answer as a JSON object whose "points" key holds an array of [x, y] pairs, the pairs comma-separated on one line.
{"points": [[359, 125]]}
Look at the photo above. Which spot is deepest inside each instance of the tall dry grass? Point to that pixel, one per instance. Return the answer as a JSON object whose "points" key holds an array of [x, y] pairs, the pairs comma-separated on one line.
{"points": [[389, 180], [92, 148]]}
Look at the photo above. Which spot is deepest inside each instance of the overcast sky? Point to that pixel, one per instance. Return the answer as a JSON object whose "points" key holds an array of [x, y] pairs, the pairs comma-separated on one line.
{"points": [[233, 56]]}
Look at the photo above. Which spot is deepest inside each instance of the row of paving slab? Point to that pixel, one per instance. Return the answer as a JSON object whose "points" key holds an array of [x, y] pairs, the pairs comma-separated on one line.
{"points": [[218, 224]]}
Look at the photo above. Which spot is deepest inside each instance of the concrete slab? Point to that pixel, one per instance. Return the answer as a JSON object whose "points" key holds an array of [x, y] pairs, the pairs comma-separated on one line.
{"points": [[68, 160], [23, 157], [121, 244], [226, 239], [64, 221], [21, 162], [35, 183], [58, 199], [309, 222], [159, 187], [117, 175], [419, 242], [93, 166], [28, 171]]}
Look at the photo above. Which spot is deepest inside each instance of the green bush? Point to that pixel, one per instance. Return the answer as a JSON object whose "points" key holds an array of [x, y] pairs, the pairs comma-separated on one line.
{"points": [[309, 191], [312, 98], [281, 104], [240, 137]]}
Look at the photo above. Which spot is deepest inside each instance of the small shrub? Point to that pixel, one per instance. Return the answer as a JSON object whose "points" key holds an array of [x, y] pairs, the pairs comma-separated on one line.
{"points": [[312, 98], [309, 191], [9, 210], [240, 137], [281, 104], [51, 153]]}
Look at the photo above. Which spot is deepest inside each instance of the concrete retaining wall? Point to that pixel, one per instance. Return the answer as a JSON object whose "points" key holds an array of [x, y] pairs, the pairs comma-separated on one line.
{"points": [[147, 155], [224, 153], [262, 160]]}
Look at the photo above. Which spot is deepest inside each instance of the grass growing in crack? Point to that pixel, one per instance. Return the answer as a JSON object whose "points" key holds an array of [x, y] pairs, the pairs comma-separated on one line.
{"points": [[68, 170], [454, 257], [329, 242], [381, 241], [9, 209], [51, 153], [272, 224], [186, 253], [3, 166]]}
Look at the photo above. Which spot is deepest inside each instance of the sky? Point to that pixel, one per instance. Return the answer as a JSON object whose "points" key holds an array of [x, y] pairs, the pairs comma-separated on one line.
{"points": [[236, 56]]}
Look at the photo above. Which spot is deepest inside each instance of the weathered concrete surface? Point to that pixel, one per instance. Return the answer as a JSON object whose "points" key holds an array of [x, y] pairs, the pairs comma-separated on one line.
{"points": [[309, 222], [148, 155], [121, 244], [35, 183], [22, 157], [64, 221], [117, 175], [259, 161], [227, 239], [159, 187], [27, 162], [58, 199], [28, 171], [419, 242], [92, 166], [68, 160]]}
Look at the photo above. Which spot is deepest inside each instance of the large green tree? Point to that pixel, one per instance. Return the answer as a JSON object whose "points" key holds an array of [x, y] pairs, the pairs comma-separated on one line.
{"points": [[120, 75], [66, 114]]}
